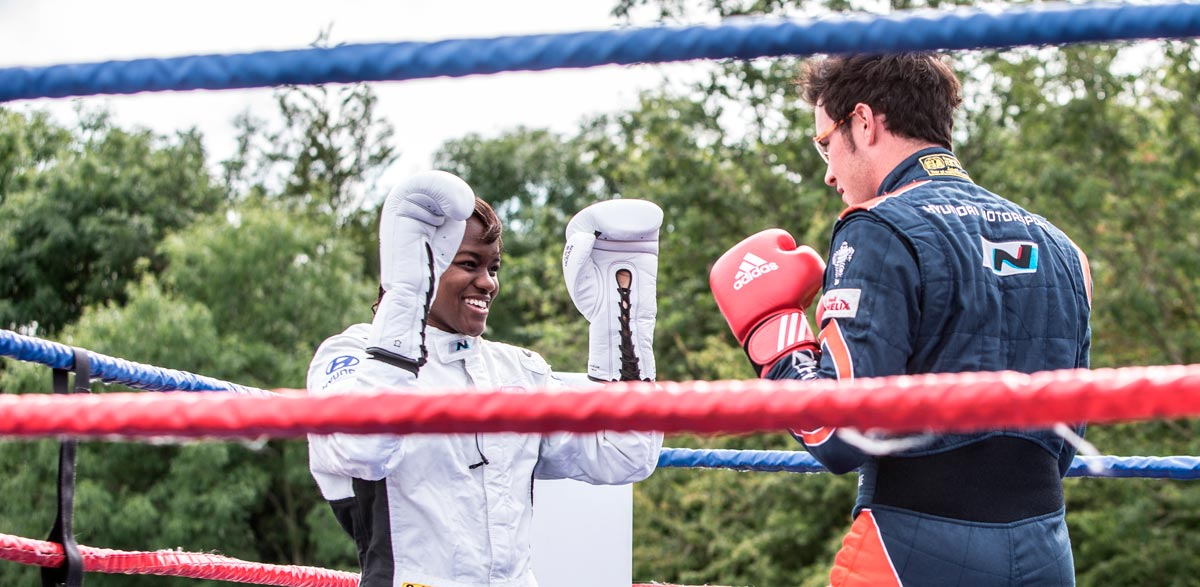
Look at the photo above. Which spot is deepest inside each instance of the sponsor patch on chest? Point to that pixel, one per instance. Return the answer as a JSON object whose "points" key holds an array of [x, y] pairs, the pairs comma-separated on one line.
{"points": [[458, 348]]}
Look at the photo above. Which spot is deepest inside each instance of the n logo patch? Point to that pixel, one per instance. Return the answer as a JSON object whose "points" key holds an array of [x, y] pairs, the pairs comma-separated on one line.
{"points": [[1010, 258]]}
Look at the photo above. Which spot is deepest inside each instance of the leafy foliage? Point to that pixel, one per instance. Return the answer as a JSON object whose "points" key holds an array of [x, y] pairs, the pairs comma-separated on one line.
{"points": [[277, 283], [243, 293], [78, 211], [329, 149], [121, 241]]}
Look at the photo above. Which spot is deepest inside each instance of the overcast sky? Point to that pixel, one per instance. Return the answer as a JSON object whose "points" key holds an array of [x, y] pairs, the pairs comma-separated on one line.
{"points": [[424, 112]]}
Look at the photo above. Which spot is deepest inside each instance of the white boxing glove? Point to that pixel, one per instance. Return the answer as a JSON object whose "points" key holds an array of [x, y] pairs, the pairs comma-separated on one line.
{"points": [[610, 264], [420, 231]]}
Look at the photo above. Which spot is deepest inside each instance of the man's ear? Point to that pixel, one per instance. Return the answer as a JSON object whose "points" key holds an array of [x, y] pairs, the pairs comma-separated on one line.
{"points": [[871, 122]]}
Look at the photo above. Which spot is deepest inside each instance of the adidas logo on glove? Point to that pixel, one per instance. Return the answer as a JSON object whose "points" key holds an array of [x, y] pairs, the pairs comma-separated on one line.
{"points": [[752, 266]]}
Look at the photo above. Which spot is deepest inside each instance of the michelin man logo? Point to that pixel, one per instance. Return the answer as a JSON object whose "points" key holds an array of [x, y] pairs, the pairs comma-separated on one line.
{"points": [[840, 259]]}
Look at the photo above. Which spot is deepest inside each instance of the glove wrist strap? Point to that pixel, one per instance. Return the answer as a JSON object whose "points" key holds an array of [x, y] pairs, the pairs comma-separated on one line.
{"points": [[396, 360], [776, 336]]}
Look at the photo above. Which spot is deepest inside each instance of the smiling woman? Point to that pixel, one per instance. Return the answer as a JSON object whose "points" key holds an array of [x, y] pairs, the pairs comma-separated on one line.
{"points": [[468, 520], [470, 284]]}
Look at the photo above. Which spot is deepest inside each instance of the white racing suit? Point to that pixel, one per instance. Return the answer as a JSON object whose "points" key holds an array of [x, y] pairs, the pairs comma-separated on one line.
{"points": [[452, 510]]}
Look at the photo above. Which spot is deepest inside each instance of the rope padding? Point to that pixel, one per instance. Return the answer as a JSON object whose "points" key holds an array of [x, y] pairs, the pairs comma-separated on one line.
{"points": [[172, 563], [919, 30], [936, 402], [114, 370], [798, 461]]}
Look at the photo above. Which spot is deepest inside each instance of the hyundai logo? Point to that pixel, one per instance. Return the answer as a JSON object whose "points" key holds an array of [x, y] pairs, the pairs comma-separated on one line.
{"points": [[342, 362]]}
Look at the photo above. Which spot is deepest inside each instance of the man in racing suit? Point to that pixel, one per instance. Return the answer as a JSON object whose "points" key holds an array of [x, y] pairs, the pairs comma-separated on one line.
{"points": [[455, 510], [928, 273]]}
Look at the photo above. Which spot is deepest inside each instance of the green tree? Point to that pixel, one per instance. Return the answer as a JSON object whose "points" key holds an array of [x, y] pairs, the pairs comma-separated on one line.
{"points": [[135, 496], [78, 209], [246, 297], [278, 283], [329, 149], [322, 159], [27, 142]]}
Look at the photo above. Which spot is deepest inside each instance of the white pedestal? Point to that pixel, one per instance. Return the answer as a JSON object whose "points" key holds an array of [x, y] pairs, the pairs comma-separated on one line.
{"points": [[582, 534]]}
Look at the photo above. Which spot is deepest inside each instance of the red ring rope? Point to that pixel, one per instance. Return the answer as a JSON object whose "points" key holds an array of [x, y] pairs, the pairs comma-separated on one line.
{"points": [[175, 564], [963, 401]]}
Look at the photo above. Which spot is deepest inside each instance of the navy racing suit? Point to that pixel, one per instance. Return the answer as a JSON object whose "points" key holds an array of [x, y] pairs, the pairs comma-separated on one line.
{"points": [[938, 275]]}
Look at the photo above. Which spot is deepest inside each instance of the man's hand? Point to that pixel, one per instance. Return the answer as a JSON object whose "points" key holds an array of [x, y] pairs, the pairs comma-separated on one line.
{"points": [[762, 286]]}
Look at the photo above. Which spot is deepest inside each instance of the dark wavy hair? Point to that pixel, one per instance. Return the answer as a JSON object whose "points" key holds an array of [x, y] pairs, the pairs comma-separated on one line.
{"points": [[916, 92], [492, 232], [491, 223]]}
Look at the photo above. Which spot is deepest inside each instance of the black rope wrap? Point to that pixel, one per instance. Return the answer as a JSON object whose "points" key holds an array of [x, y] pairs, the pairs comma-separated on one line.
{"points": [[70, 573]]}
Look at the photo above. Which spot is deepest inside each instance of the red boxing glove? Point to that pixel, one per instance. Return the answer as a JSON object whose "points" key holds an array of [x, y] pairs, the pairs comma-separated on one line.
{"points": [[762, 286]]}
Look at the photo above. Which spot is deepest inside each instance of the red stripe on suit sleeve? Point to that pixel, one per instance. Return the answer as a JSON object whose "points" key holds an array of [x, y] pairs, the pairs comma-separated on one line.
{"points": [[1087, 272], [816, 437], [833, 345]]}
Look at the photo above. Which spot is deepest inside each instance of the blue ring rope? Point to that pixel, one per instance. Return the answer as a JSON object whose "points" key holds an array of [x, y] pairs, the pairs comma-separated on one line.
{"points": [[113, 370], [1174, 467], [734, 39]]}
